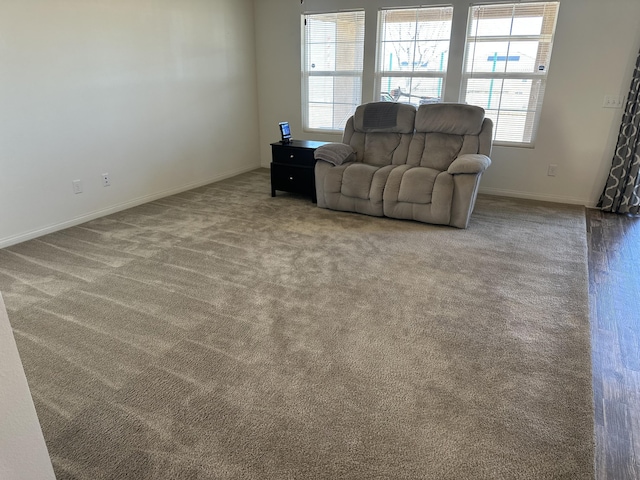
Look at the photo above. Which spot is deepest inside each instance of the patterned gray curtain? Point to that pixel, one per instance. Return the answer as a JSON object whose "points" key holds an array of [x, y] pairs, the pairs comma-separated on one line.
{"points": [[621, 194]]}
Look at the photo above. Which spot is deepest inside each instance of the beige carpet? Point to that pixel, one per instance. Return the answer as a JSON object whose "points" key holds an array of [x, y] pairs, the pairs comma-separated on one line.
{"points": [[224, 334]]}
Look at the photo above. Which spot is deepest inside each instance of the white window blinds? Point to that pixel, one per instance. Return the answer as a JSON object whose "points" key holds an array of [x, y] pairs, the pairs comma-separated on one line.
{"points": [[332, 68], [413, 52], [508, 50]]}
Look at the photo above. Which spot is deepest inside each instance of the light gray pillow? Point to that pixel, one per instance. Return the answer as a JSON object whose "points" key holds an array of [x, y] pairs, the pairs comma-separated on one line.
{"points": [[335, 153]]}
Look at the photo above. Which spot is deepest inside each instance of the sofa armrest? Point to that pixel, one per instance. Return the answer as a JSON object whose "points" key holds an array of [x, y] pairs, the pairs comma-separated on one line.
{"points": [[321, 170], [335, 153], [469, 163]]}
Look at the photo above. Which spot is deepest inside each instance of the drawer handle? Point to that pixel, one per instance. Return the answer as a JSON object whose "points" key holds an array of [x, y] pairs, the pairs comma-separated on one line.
{"points": [[290, 178], [291, 156]]}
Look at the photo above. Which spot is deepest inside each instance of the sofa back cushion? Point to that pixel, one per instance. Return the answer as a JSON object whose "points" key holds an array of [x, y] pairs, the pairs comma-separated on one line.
{"points": [[449, 118], [380, 132], [444, 131], [384, 117]]}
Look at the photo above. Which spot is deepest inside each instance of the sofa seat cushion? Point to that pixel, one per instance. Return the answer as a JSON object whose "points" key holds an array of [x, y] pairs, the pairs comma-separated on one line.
{"points": [[418, 193], [416, 185], [357, 179], [355, 187]]}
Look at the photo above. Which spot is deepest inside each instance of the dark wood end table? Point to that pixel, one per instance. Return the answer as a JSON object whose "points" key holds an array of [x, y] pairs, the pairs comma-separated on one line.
{"points": [[292, 167]]}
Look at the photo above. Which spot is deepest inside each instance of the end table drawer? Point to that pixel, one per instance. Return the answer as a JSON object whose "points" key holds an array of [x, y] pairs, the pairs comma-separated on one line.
{"points": [[293, 156], [289, 178]]}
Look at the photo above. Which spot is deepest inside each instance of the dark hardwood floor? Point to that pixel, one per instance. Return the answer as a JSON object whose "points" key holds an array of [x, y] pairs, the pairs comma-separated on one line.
{"points": [[614, 293]]}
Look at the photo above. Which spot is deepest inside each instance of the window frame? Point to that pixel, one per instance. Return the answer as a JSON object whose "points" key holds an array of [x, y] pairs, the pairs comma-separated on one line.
{"points": [[380, 72], [544, 39], [306, 74]]}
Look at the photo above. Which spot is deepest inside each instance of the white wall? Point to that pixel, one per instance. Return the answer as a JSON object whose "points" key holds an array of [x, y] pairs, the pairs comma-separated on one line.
{"points": [[595, 49], [161, 94]]}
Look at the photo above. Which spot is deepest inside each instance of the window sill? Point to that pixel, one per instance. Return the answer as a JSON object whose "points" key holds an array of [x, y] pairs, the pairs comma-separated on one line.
{"points": [[514, 145]]}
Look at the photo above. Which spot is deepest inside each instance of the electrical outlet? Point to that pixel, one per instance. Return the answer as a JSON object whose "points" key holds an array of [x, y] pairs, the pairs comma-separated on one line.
{"points": [[551, 170], [613, 101], [77, 186], [106, 180]]}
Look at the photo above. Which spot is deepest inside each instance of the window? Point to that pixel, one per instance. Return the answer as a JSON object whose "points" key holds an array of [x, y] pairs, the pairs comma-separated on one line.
{"points": [[508, 50], [413, 50], [332, 68]]}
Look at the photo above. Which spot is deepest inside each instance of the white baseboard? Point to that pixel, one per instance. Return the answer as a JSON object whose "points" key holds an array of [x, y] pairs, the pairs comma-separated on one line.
{"points": [[23, 237], [534, 196], [23, 452]]}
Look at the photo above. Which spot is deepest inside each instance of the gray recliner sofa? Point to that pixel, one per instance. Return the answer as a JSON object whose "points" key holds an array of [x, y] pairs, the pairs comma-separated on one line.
{"points": [[422, 165]]}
